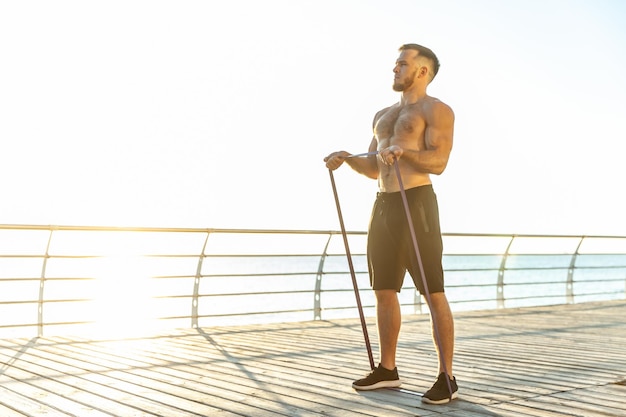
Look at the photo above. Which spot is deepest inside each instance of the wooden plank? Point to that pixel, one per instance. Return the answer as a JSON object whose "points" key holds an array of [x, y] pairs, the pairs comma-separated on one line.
{"points": [[52, 392], [224, 383], [532, 362], [36, 376], [9, 412], [23, 405]]}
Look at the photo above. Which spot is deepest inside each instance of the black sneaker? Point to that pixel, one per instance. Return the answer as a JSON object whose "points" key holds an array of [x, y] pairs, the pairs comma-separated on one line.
{"points": [[439, 393], [379, 378]]}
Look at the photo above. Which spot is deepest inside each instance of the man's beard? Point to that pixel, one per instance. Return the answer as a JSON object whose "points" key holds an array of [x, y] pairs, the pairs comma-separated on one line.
{"points": [[402, 86]]}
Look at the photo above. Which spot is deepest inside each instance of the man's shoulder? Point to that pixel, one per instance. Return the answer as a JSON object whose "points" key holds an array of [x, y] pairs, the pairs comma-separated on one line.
{"points": [[434, 101], [436, 106]]}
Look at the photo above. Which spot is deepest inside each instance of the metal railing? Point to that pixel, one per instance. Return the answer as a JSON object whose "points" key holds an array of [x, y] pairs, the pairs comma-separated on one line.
{"points": [[70, 278]]}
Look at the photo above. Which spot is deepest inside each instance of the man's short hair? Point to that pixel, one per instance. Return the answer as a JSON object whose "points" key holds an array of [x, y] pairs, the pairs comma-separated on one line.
{"points": [[425, 52]]}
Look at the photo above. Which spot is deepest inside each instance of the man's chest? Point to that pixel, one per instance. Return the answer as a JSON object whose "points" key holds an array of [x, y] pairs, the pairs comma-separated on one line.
{"points": [[400, 123]]}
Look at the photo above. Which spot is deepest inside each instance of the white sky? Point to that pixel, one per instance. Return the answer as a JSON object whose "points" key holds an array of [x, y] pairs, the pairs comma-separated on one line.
{"points": [[219, 113]]}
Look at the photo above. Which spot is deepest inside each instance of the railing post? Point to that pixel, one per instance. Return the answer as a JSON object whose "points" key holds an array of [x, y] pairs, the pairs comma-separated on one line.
{"points": [[569, 286], [500, 286], [317, 295], [417, 302], [196, 285], [42, 283]]}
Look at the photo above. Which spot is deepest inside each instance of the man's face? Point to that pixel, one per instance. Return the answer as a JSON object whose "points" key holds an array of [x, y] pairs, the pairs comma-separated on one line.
{"points": [[405, 70]]}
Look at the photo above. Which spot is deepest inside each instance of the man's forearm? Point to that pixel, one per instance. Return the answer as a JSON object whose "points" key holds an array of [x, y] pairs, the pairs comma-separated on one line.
{"points": [[427, 161], [365, 166]]}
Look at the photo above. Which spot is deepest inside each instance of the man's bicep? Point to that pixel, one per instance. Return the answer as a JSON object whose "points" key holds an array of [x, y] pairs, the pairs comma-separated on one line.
{"points": [[440, 131]]}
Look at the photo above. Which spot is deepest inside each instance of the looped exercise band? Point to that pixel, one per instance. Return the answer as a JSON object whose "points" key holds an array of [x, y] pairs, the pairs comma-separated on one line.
{"points": [[352, 274], [421, 266], [419, 260]]}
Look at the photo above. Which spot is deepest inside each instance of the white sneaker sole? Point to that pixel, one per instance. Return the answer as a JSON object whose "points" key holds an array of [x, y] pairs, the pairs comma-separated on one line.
{"points": [[378, 385], [455, 395]]}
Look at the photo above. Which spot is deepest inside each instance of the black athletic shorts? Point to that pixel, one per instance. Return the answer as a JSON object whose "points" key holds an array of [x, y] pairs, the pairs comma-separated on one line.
{"points": [[390, 248]]}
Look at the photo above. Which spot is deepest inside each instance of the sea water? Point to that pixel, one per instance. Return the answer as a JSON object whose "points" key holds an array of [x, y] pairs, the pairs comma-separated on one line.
{"points": [[472, 282], [128, 278]]}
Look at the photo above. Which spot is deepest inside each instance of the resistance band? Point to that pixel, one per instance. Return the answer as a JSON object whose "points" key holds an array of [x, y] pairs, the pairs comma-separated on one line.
{"points": [[421, 266], [354, 283]]}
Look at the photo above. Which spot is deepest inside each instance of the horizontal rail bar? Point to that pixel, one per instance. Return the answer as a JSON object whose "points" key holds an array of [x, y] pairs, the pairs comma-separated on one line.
{"points": [[236, 273]]}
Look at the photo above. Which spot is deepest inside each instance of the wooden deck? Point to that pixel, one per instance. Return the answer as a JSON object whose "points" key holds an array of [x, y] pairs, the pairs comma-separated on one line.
{"points": [[565, 360]]}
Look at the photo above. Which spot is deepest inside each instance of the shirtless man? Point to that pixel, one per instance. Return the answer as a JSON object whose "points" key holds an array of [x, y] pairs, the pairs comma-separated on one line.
{"points": [[417, 132]]}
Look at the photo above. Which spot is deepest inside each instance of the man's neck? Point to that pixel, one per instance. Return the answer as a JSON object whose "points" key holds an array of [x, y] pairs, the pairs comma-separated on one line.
{"points": [[412, 96]]}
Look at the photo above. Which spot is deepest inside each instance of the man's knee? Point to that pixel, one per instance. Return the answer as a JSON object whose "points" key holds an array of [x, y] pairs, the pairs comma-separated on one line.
{"points": [[386, 296], [438, 298]]}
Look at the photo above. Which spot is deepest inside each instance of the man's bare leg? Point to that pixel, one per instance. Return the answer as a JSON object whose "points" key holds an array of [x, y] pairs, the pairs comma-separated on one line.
{"points": [[388, 319], [442, 318]]}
